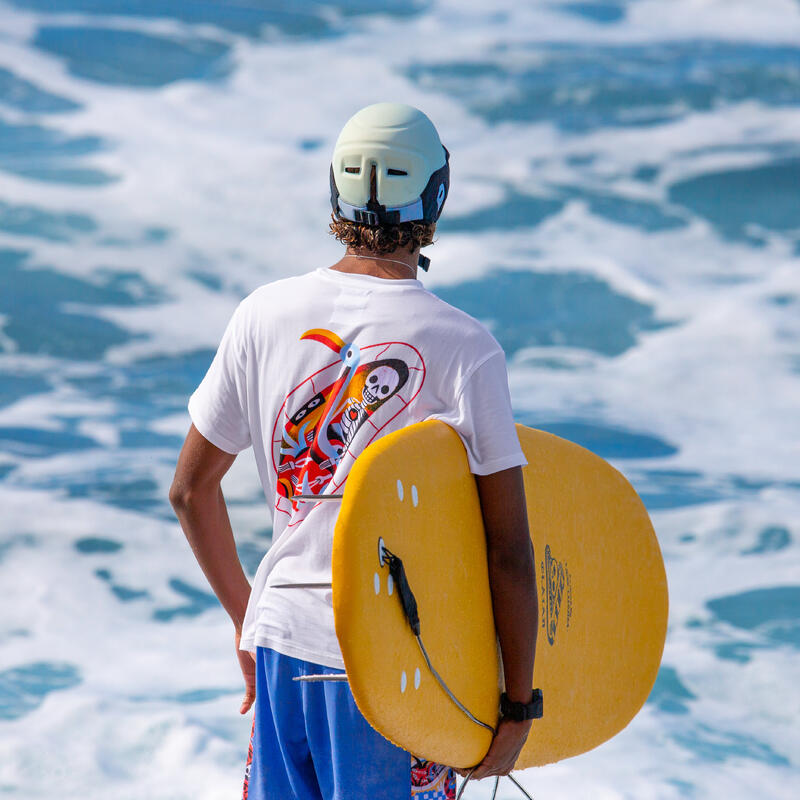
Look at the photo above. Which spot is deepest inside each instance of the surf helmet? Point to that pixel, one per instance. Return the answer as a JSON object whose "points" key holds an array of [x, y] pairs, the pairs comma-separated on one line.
{"points": [[389, 167]]}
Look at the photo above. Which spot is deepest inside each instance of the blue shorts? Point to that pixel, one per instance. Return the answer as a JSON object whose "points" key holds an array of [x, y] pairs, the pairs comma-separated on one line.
{"points": [[310, 742]]}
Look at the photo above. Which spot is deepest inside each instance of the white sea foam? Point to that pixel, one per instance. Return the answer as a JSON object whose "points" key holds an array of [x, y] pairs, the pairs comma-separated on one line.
{"points": [[220, 167]]}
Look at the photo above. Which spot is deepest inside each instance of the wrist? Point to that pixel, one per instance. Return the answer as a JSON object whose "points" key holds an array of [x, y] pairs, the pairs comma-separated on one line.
{"points": [[525, 696], [522, 711], [515, 725]]}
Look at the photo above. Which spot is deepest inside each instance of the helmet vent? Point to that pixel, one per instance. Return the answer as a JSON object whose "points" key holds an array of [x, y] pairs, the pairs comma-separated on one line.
{"points": [[353, 170], [391, 171]]}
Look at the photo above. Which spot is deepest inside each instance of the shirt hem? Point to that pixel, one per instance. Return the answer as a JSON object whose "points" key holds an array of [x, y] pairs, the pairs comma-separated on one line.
{"points": [[293, 650], [498, 464], [206, 430]]}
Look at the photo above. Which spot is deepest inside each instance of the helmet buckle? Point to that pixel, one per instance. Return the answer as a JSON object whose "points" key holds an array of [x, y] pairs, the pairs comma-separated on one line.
{"points": [[366, 217]]}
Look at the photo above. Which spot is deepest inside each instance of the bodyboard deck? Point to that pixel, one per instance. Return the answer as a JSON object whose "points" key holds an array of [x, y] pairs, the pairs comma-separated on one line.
{"points": [[600, 576]]}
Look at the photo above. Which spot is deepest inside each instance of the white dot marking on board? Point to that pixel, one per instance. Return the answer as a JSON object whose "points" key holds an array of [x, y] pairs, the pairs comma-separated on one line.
{"points": [[378, 584], [389, 585], [400, 489], [403, 681], [417, 678], [414, 496]]}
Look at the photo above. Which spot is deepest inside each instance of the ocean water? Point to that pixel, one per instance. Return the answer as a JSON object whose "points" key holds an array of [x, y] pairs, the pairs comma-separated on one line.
{"points": [[624, 215]]}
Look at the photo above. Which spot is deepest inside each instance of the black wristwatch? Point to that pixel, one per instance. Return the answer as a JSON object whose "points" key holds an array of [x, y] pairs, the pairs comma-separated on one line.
{"points": [[522, 711]]}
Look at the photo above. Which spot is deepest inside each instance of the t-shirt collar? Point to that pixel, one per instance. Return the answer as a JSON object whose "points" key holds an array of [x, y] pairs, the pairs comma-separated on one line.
{"points": [[371, 281]]}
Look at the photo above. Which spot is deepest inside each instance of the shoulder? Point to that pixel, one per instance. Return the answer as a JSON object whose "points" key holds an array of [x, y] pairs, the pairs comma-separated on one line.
{"points": [[275, 300], [265, 309], [294, 287], [471, 332]]}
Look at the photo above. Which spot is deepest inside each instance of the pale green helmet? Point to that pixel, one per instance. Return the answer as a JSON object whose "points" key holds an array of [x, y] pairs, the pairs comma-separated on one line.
{"points": [[389, 166]]}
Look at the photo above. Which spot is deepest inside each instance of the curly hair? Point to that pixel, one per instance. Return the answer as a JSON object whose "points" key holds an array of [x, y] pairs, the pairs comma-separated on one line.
{"points": [[383, 238]]}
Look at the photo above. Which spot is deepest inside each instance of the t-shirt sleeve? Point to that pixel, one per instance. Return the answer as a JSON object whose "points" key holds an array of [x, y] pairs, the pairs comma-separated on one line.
{"points": [[483, 419], [218, 407]]}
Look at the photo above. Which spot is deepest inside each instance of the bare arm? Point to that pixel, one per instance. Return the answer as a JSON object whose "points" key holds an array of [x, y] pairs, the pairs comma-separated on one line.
{"points": [[512, 579], [196, 496]]}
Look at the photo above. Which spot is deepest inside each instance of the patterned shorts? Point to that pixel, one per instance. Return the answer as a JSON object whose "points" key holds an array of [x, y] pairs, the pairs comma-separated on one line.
{"points": [[310, 742]]}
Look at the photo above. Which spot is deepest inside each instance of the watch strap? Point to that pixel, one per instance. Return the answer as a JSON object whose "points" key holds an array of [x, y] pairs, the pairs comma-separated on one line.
{"points": [[522, 711]]}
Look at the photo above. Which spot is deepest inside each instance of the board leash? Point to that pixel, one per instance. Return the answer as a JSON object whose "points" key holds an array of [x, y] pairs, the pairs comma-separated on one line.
{"points": [[447, 689], [496, 784], [517, 784], [466, 781], [411, 612]]}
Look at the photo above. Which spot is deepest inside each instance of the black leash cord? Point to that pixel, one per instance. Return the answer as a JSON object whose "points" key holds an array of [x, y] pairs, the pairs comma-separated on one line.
{"points": [[411, 612]]}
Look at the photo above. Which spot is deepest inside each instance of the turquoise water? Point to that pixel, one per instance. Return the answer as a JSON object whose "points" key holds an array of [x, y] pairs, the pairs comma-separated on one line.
{"points": [[623, 215]]}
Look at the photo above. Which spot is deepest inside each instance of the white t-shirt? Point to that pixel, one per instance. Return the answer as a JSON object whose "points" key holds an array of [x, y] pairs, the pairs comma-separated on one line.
{"points": [[309, 371]]}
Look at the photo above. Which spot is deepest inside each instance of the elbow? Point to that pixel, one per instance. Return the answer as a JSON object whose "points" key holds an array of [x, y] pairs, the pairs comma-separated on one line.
{"points": [[183, 496], [185, 493], [179, 496], [516, 563]]}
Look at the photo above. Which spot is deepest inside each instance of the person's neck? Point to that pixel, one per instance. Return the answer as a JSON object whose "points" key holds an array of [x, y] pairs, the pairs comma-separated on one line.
{"points": [[399, 265]]}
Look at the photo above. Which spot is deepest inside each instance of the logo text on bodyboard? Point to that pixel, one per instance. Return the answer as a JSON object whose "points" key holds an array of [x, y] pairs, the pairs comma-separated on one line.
{"points": [[556, 587]]}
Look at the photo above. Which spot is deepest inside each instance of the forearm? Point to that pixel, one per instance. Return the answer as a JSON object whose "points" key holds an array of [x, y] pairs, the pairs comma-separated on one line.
{"points": [[512, 579], [512, 576], [204, 518]]}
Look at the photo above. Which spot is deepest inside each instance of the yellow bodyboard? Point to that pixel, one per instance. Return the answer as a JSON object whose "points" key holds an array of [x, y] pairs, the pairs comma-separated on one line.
{"points": [[600, 577]]}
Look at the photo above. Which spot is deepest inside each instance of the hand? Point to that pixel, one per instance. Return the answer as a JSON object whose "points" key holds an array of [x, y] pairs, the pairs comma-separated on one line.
{"points": [[247, 662], [503, 751]]}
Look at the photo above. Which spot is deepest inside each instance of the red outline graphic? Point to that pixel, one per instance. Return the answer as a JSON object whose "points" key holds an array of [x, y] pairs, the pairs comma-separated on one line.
{"points": [[324, 414]]}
